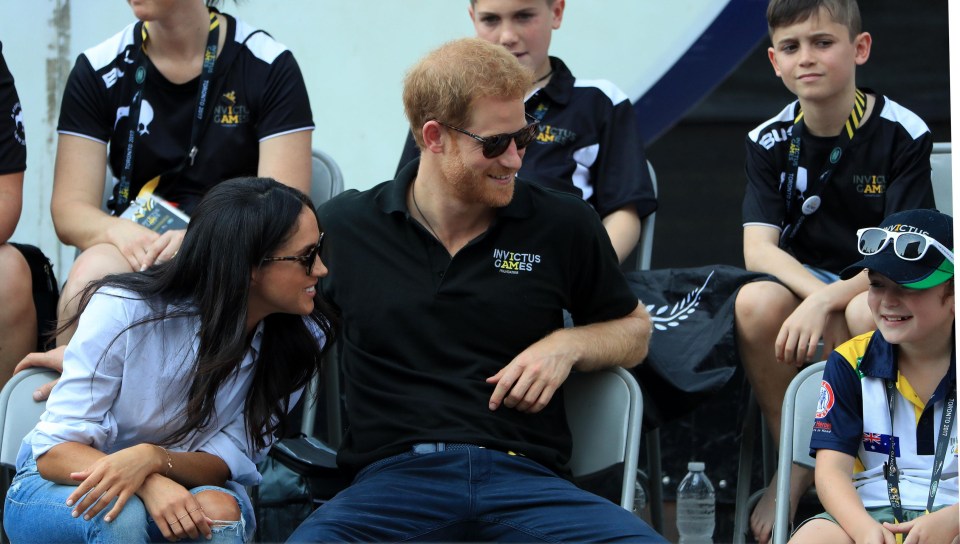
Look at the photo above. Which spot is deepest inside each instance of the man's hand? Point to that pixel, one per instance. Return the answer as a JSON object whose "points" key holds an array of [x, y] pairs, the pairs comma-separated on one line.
{"points": [[52, 359], [529, 381]]}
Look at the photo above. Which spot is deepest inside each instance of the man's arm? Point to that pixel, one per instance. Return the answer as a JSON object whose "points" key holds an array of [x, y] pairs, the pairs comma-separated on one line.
{"points": [[11, 204], [529, 381], [623, 228]]}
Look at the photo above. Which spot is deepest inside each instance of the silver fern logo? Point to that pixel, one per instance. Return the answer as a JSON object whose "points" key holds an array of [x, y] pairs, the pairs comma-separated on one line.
{"points": [[664, 319]]}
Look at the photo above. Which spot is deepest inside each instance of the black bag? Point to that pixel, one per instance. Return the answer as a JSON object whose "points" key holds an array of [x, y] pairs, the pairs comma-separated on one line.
{"points": [[693, 352], [46, 294], [300, 473]]}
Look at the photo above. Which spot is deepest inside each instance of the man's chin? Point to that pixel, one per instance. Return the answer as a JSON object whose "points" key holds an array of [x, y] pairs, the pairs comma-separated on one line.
{"points": [[500, 196]]}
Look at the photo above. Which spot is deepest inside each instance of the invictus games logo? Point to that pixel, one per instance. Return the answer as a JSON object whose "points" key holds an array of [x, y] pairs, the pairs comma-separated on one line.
{"points": [[550, 134], [510, 262], [18, 132], [870, 185], [228, 112]]}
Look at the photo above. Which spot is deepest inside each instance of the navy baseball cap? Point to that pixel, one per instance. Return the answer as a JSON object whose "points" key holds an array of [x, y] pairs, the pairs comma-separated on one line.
{"points": [[899, 245]]}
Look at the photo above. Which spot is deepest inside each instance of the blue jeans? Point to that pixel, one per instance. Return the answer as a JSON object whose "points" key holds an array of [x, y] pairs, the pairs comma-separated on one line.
{"points": [[36, 511], [468, 493]]}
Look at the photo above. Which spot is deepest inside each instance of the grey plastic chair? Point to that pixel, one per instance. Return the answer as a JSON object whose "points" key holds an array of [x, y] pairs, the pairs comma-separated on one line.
{"points": [[941, 175], [796, 423], [326, 182], [639, 260], [605, 412], [19, 413]]}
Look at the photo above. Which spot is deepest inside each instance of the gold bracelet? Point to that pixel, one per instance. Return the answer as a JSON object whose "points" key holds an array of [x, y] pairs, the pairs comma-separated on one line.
{"points": [[169, 460]]}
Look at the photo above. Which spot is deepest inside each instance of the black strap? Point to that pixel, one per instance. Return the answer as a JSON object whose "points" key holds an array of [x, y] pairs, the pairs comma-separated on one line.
{"points": [[140, 77], [890, 470], [811, 204]]}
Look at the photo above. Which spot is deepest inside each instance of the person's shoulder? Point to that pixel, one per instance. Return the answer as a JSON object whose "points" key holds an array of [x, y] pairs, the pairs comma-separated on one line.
{"points": [[893, 112], [853, 350], [560, 203], [768, 133], [257, 41], [602, 88], [106, 52]]}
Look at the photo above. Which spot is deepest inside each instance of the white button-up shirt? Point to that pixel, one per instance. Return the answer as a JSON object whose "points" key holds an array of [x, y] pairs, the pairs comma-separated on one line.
{"points": [[123, 386]]}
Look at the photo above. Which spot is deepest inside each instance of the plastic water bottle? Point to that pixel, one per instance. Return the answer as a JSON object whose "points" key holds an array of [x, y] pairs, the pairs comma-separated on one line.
{"points": [[696, 507], [639, 498]]}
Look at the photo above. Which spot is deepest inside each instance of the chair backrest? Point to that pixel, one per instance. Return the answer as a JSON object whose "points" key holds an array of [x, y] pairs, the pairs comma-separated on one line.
{"points": [[639, 259], [326, 179], [942, 177], [326, 182], [604, 412], [19, 413], [799, 408]]}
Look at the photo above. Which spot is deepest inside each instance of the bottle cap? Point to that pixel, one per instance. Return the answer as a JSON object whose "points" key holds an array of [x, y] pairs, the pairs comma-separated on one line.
{"points": [[695, 466]]}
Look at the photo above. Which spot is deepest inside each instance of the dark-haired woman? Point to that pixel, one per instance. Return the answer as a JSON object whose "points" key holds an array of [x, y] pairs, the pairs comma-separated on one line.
{"points": [[177, 380], [190, 97]]}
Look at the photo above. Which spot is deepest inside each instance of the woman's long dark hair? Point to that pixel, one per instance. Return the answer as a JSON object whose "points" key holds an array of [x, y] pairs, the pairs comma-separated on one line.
{"points": [[236, 225]]}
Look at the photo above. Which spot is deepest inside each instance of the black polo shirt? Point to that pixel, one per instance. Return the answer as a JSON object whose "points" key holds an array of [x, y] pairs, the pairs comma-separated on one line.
{"points": [[13, 144], [885, 169], [423, 331], [588, 144]]}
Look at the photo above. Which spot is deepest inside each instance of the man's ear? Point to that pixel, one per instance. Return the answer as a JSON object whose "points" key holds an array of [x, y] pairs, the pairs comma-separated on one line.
{"points": [[432, 133]]}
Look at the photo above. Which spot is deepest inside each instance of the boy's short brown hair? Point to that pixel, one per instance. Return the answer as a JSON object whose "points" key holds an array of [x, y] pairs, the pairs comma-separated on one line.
{"points": [[443, 84], [549, 3], [781, 13]]}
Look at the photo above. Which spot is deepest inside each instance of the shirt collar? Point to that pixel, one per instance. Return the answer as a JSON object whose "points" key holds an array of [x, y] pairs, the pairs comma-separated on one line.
{"points": [[392, 196], [880, 361], [560, 87]]}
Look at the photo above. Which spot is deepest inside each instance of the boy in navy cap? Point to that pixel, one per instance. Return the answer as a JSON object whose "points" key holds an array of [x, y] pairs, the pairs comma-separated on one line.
{"points": [[887, 407]]}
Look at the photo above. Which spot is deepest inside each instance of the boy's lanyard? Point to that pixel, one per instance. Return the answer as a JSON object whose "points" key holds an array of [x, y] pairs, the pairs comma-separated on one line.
{"points": [[140, 77], [812, 203], [890, 471]]}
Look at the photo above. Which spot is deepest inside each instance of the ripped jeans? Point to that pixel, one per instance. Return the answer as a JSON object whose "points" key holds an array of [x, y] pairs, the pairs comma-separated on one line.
{"points": [[36, 511]]}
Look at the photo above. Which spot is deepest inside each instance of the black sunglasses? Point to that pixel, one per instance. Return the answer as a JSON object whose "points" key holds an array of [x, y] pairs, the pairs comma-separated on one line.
{"points": [[496, 145], [305, 260]]}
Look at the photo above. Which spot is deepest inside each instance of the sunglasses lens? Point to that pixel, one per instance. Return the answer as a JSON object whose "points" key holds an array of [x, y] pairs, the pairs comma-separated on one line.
{"points": [[872, 240], [910, 246], [494, 146], [526, 136]]}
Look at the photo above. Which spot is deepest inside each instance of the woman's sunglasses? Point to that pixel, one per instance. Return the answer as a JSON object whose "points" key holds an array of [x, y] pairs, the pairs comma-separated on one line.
{"points": [[496, 145], [909, 246], [305, 260]]}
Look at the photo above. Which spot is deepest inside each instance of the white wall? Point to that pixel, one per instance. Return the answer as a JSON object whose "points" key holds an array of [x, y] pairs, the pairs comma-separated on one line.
{"points": [[353, 54]]}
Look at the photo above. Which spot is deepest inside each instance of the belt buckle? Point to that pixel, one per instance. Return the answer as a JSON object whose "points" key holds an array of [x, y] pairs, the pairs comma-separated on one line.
{"points": [[429, 447]]}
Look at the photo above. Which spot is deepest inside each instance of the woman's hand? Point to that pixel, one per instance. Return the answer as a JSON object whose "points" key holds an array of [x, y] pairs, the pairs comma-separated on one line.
{"points": [[174, 509], [118, 475]]}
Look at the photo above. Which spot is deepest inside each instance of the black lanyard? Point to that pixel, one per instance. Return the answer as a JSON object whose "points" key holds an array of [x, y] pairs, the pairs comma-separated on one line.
{"points": [[812, 203], [890, 470], [140, 77]]}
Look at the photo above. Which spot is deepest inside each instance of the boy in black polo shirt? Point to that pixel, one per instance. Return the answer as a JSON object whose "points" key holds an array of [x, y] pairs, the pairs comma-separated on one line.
{"points": [[588, 145], [837, 159]]}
